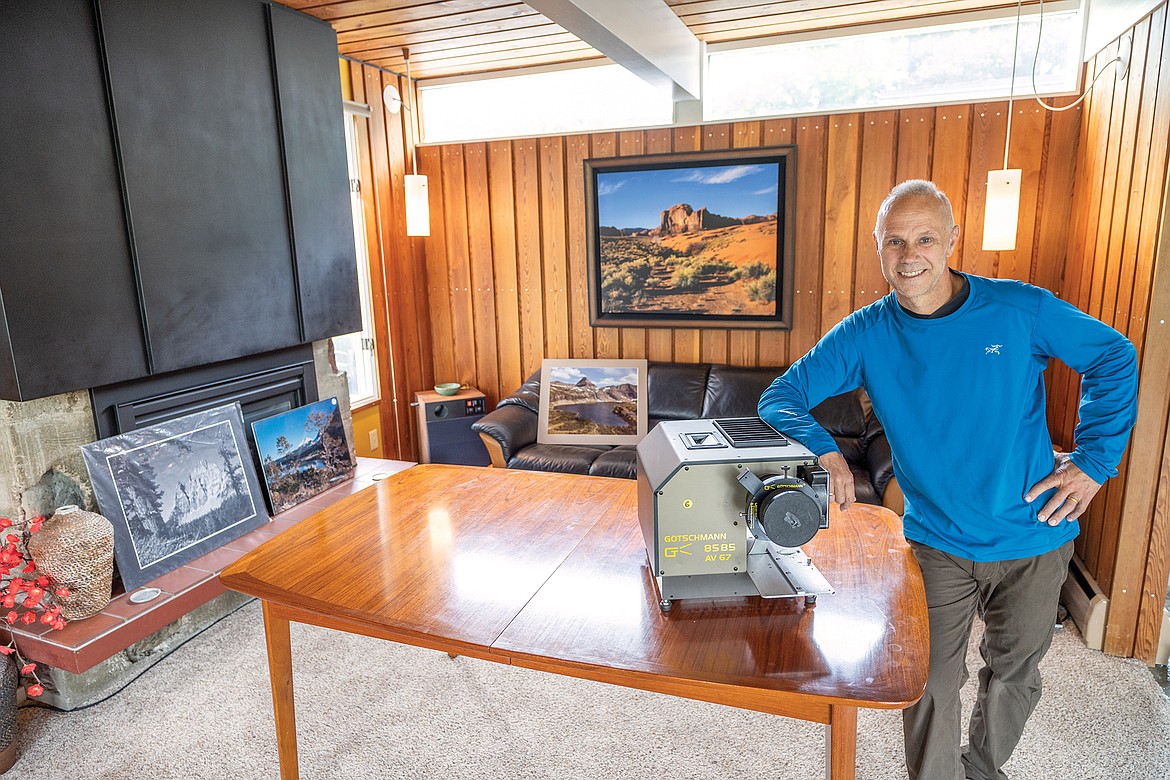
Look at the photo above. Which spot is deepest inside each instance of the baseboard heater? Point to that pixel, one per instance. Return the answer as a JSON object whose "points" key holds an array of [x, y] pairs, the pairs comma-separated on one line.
{"points": [[1085, 602]]}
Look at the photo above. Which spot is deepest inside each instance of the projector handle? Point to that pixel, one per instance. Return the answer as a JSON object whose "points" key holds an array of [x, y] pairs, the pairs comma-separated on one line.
{"points": [[751, 483]]}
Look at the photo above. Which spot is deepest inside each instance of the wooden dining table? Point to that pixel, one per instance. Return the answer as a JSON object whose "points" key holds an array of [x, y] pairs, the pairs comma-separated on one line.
{"points": [[549, 572]]}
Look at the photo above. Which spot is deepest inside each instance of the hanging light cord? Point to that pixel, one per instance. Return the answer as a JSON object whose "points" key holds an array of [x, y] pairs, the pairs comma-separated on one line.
{"points": [[410, 93], [1036, 58], [1012, 89]]}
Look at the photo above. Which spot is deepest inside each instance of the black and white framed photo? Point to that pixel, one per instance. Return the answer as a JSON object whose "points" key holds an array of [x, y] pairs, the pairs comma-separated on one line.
{"points": [[175, 490], [592, 401], [303, 452]]}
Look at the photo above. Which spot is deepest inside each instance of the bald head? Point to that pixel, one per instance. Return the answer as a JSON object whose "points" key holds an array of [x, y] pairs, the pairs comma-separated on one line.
{"points": [[919, 190]]}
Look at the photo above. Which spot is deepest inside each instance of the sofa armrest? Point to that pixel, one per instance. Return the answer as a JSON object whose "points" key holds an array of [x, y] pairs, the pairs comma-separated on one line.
{"points": [[511, 427], [893, 499], [880, 463]]}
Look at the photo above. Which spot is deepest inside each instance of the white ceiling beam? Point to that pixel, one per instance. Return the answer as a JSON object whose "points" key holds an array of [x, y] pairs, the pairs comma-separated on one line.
{"points": [[644, 36]]}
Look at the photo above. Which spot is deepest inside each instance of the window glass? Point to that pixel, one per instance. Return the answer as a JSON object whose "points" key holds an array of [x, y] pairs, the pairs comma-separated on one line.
{"points": [[561, 101], [355, 351], [930, 65]]}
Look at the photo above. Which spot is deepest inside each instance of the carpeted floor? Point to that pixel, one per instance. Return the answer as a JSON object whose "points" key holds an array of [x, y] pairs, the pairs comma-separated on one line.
{"points": [[371, 709]]}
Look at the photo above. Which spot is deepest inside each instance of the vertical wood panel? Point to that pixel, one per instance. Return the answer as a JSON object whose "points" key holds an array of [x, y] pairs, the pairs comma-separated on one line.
{"points": [[1026, 153], [744, 343], [606, 341], [915, 131], [581, 335], [502, 207], [950, 168], [554, 254], [879, 131], [455, 226], [528, 248], [840, 217], [774, 344], [810, 232], [479, 239], [1137, 591], [988, 132]]}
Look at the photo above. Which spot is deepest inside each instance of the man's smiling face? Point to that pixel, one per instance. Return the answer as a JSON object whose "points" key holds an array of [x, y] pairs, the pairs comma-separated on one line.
{"points": [[915, 241]]}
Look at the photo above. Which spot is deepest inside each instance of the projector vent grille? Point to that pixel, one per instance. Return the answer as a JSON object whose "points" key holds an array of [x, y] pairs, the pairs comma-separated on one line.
{"points": [[750, 432]]}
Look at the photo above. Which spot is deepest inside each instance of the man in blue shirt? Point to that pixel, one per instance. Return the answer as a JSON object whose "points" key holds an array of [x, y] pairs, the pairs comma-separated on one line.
{"points": [[954, 364]]}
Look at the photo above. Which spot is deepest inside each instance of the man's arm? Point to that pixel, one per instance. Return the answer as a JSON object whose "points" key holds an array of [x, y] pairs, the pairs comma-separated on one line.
{"points": [[1107, 363], [830, 368]]}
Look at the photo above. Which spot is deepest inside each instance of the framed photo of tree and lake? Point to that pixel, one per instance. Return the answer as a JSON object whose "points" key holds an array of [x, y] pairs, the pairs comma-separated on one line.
{"points": [[592, 401], [700, 239], [303, 452]]}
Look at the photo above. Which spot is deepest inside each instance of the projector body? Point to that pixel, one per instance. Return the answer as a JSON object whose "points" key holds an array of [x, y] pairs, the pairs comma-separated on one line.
{"points": [[724, 506]]}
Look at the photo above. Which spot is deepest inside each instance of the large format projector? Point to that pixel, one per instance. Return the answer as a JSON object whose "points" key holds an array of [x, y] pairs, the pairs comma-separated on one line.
{"points": [[724, 507]]}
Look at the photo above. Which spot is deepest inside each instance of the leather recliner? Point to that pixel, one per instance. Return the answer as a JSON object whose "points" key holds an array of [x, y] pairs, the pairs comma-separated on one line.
{"points": [[691, 391]]}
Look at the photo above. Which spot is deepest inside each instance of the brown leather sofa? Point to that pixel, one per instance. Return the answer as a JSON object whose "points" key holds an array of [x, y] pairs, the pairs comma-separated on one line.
{"points": [[690, 391]]}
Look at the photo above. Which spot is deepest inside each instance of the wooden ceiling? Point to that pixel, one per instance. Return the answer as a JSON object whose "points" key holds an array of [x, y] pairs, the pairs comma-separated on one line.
{"points": [[454, 37]]}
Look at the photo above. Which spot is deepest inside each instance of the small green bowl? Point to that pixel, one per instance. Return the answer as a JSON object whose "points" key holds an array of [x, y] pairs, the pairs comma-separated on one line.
{"points": [[447, 388]]}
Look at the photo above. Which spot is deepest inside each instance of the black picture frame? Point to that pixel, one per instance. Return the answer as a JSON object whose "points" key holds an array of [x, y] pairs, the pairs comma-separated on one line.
{"points": [[176, 490], [691, 266]]}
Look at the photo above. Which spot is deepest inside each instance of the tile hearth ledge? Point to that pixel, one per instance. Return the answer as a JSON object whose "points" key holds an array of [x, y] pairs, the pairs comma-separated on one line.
{"points": [[82, 644]]}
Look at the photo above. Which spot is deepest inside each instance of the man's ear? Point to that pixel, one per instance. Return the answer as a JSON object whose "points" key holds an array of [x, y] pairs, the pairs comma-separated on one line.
{"points": [[954, 240]]}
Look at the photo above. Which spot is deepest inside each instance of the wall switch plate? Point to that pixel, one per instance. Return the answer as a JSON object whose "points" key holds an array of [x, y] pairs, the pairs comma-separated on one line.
{"points": [[374, 439]]}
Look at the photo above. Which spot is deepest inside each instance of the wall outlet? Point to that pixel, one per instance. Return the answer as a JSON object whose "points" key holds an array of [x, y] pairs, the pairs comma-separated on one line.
{"points": [[374, 439]]}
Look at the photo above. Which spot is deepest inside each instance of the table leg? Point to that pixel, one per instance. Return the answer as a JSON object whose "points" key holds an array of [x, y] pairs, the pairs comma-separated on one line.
{"points": [[841, 743], [276, 634]]}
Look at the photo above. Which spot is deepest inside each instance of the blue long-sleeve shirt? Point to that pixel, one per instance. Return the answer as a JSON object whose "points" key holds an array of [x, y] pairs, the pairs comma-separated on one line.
{"points": [[962, 400]]}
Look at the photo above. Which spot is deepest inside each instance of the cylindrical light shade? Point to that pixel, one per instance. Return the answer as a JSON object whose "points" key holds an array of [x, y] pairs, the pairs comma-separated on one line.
{"points": [[418, 209], [1003, 209]]}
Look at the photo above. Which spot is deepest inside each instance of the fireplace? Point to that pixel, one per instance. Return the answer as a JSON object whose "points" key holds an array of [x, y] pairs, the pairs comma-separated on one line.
{"points": [[40, 461], [41, 468]]}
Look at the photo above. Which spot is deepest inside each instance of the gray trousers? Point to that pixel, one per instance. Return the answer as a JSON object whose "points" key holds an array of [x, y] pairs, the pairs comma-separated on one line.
{"points": [[1017, 601]]}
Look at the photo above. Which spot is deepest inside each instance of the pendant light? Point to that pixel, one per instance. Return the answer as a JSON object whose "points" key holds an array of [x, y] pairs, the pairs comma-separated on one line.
{"points": [[1001, 219], [418, 208]]}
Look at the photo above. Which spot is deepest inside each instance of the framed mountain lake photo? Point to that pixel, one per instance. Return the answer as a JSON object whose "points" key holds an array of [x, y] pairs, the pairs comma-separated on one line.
{"points": [[592, 401]]}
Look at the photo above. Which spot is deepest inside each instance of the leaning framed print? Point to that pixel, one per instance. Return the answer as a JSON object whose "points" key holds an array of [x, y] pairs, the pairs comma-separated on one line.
{"points": [[592, 401], [702, 239], [175, 490], [303, 452]]}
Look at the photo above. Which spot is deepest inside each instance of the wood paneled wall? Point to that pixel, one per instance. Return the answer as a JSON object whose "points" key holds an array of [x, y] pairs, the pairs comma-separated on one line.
{"points": [[1117, 270], [507, 258], [502, 283]]}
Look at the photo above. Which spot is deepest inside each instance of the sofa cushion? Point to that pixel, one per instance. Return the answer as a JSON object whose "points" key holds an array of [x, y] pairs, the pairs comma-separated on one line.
{"points": [[565, 458], [675, 390], [621, 461], [734, 391]]}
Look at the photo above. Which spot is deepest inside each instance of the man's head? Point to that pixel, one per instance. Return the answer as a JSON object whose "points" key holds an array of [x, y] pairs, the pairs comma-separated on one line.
{"points": [[916, 234]]}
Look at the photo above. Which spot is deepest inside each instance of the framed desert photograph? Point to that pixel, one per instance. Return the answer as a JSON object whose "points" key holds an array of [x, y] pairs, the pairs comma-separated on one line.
{"points": [[592, 401], [175, 490], [302, 452], [702, 239]]}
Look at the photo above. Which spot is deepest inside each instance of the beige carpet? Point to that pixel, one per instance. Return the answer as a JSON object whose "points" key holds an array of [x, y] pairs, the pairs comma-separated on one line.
{"points": [[371, 709]]}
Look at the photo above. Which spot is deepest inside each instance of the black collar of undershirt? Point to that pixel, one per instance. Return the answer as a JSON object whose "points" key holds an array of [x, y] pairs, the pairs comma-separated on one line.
{"points": [[950, 307]]}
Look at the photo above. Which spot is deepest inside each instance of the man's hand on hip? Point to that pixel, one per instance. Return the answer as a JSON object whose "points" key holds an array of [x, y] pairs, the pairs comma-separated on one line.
{"points": [[1074, 490], [840, 479]]}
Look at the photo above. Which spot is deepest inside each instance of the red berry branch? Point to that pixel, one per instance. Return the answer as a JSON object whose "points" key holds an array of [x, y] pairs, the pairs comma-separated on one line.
{"points": [[27, 597]]}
